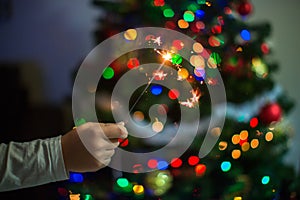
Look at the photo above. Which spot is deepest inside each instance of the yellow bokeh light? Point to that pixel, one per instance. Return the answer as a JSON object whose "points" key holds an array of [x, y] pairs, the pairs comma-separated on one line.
{"points": [[74, 196], [237, 198], [244, 135], [254, 143], [138, 189], [269, 136], [138, 116], [235, 139], [157, 126], [211, 63], [222, 145], [245, 146], [183, 73], [197, 47], [130, 34], [197, 61], [183, 24], [236, 153], [256, 61]]}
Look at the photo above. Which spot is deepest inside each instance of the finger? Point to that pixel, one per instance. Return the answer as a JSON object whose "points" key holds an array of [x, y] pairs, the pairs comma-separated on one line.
{"points": [[115, 142], [121, 125], [114, 130], [104, 154]]}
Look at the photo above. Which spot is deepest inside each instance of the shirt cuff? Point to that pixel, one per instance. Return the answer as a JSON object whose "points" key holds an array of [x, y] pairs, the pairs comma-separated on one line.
{"points": [[59, 169]]}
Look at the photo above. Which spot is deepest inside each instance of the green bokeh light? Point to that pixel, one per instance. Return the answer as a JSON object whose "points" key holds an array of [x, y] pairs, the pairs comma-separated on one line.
{"points": [[122, 182], [168, 12], [188, 16], [176, 59], [108, 73]]}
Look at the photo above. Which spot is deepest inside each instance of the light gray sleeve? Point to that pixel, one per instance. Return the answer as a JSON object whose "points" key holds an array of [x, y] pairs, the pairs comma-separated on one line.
{"points": [[31, 163]]}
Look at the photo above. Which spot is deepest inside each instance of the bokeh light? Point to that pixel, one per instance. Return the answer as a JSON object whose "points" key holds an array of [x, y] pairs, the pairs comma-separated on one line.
{"points": [[138, 189], [200, 169], [138, 116], [245, 35], [197, 61], [235, 139], [133, 63], [173, 94], [244, 135], [176, 59], [130, 34], [178, 44], [176, 162], [182, 73], [157, 126], [197, 47], [76, 177], [188, 16], [161, 165], [123, 142], [254, 143], [236, 153], [182, 24], [253, 122], [265, 180], [225, 166], [122, 182], [200, 14], [88, 197], [108, 73], [156, 89], [269, 136], [168, 13], [222, 145], [245, 146], [159, 3], [193, 160], [152, 163]]}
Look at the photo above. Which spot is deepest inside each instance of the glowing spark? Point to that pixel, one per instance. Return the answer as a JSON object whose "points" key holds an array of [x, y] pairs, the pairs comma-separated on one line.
{"points": [[159, 75], [187, 103], [192, 102], [212, 81], [165, 55], [195, 95], [157, 41]]}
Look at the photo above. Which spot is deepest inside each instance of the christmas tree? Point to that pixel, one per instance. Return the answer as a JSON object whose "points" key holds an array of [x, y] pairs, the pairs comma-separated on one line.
{"points": [[247, 160]]}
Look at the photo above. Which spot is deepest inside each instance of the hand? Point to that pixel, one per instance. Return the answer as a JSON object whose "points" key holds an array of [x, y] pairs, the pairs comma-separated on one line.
{"points": [[90, 146]]}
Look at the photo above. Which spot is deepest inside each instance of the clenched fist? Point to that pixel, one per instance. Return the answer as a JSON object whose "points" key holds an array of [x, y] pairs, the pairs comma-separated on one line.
{"points": [[90, 146]]}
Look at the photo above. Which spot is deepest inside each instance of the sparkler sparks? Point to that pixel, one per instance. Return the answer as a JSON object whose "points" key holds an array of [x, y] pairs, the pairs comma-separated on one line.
{"points": [[167, 56], [193, 101], [157, 40], [159, 75]]}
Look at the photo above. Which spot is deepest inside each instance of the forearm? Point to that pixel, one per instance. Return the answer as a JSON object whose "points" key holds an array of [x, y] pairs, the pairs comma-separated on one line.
{"points": [[31, 163]]}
